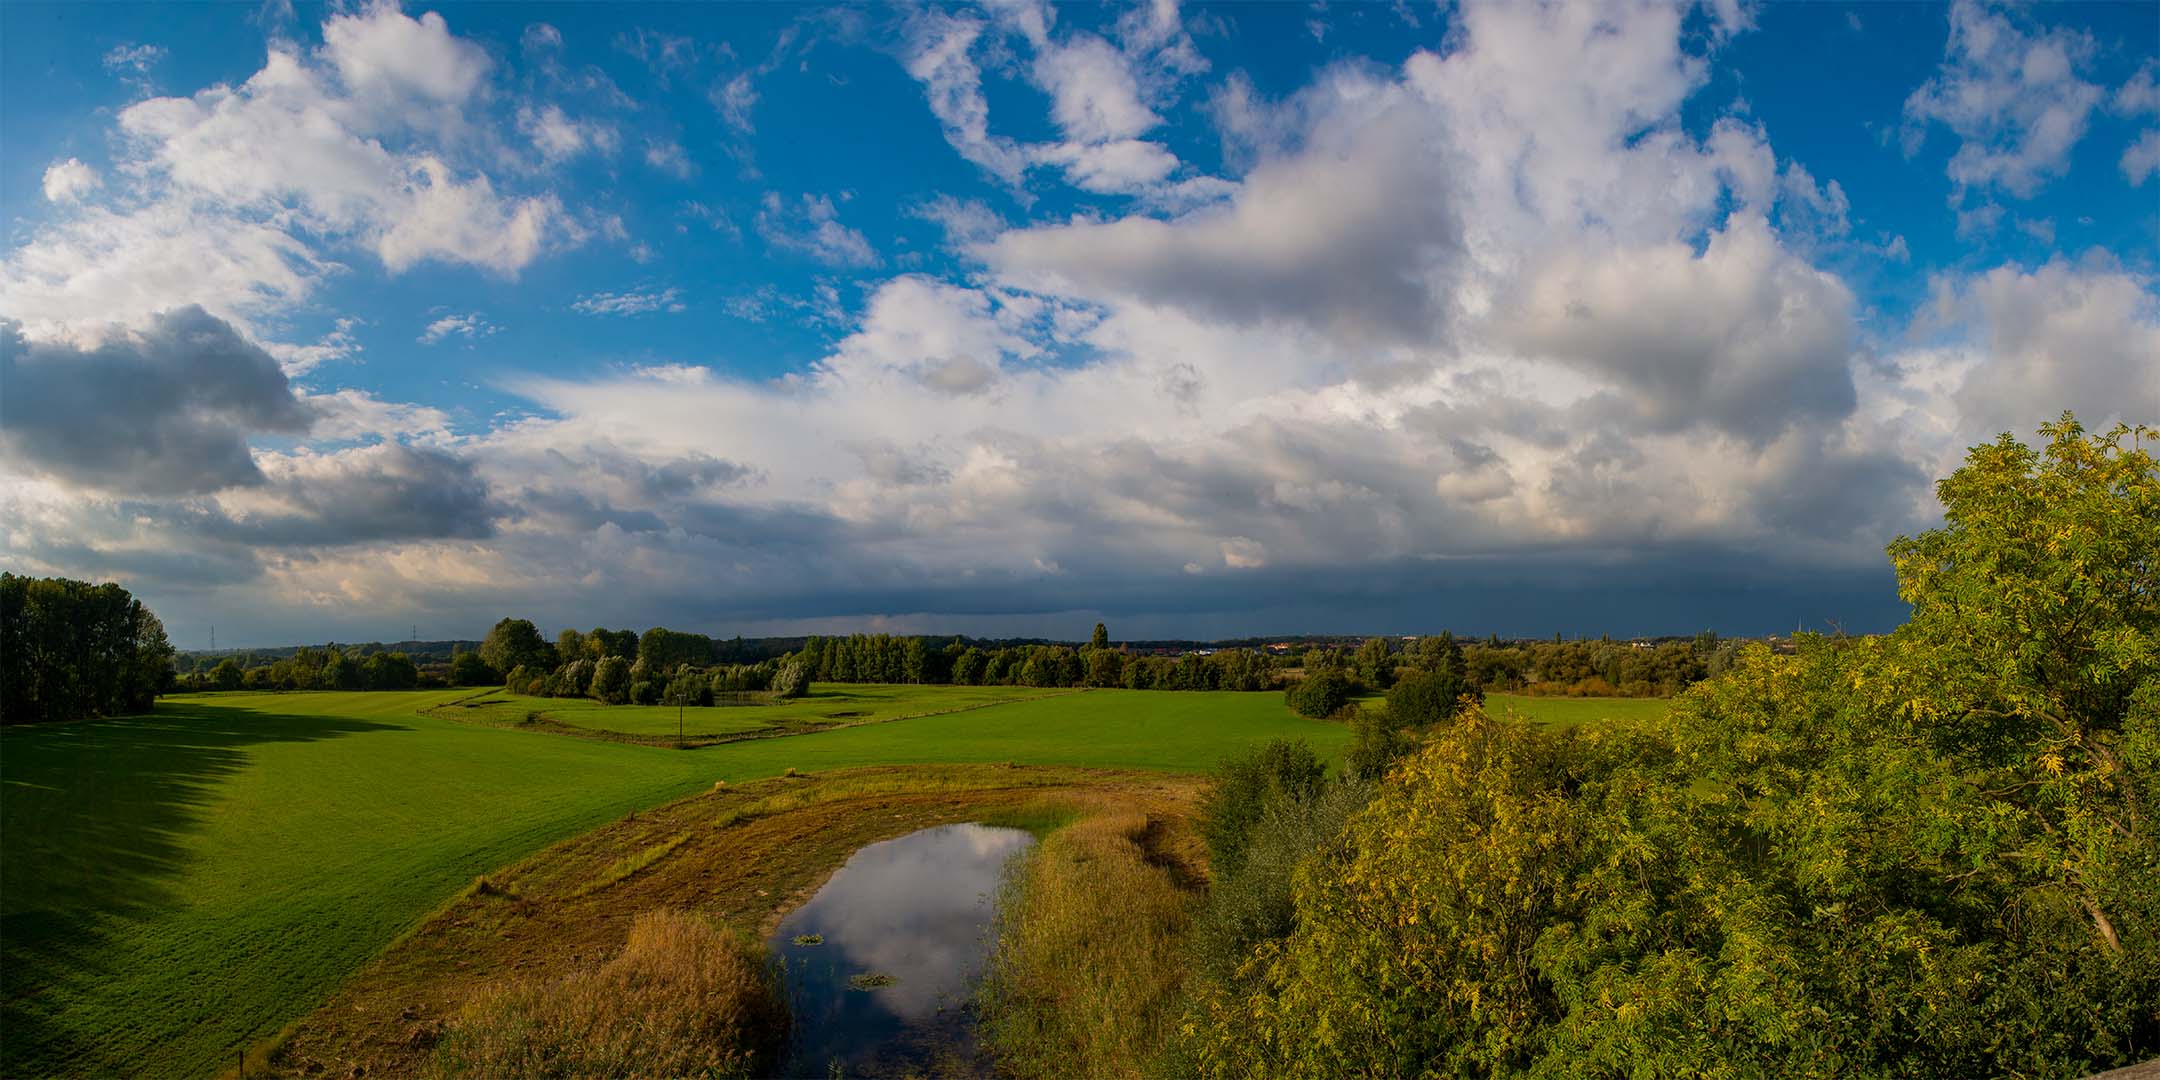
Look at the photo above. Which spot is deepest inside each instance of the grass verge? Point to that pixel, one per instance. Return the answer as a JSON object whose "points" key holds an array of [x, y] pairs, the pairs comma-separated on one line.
{"points": [[1086, 977]]}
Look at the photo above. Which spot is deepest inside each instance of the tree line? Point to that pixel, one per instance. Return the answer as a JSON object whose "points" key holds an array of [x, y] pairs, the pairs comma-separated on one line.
{"points": [[71, 650]]}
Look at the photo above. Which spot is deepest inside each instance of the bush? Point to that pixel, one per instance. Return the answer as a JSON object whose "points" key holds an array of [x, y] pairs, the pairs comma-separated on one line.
{"points": [[792, 680], [644, 692], [689, 688], [682, 999], [467, 669], [1376, 742], [1253, 904], [1320, 694], [1243, 786], [1427, 698]]}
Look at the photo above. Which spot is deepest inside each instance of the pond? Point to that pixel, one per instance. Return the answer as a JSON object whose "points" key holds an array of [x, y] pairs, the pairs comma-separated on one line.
{"points": [[890, 949]]}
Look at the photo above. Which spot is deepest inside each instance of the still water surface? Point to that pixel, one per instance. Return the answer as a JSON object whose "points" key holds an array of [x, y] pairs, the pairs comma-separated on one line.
{"points": [[917, 909]]}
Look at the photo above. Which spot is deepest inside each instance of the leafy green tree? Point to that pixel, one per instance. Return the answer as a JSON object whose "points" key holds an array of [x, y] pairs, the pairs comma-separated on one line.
{"points": [[389, 671], [515, 643], [792, 680], [968, 668], [1319, 695], [610, 680], [70, 649], [1101, 637], [227, 675], [1105, 667], [339, 673], [1243, 784], [1426, 698], [468, 669], [1377, 740], [1375, 664]]}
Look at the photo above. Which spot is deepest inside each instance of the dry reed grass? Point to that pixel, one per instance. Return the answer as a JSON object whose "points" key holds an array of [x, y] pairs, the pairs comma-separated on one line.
{"points": [[683, 999], [1087, 975]]}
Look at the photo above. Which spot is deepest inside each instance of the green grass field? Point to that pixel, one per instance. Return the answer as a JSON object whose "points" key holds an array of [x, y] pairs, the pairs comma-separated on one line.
{"points": [[179, 885], [824, 705], [1564, 712], [1560, 712]]}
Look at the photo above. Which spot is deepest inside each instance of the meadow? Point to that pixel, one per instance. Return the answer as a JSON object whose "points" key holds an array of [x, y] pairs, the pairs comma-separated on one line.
{"points": [[1559, 712], [827, 705], [1567, 712], [181, 884]]}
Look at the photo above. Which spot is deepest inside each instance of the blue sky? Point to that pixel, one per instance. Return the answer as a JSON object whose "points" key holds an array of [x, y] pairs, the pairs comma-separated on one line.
{"points": [[1205, 319]]}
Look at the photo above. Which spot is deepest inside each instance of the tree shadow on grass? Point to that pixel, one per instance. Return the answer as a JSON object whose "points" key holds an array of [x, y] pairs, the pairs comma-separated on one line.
{"points": [[94, 817]]}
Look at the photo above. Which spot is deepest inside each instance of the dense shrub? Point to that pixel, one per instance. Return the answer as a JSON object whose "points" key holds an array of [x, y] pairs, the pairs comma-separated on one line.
{"points": [[792, 680], [1243, 785], [1426, 698], [683, 998], [1320, 694], [689, 688], [1376, 742], [1252, 904], [467, 669], [645, 692]]}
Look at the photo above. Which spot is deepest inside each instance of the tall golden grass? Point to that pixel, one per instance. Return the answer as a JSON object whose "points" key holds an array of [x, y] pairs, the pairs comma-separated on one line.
{"points": [[683, 999], [1086, 977]]}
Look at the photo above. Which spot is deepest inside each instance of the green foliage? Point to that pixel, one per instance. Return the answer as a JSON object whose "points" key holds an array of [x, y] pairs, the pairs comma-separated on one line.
{"points": [[1320, 694], [468, 669], [70, 649], [1596, 668], [791, 681], [1429, 698], [661, 649], [1252, 904], [1377, 741], [1928, 854], [1101, 638], [1278, 768], [611, 681], [1375, 663], [515, 643], [689, 689], [227, 675], [1105, 667]]}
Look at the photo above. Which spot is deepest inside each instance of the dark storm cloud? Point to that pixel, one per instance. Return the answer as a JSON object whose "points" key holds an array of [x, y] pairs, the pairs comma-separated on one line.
{"points": [[386, 492], [163, 411], [1732, 591]]}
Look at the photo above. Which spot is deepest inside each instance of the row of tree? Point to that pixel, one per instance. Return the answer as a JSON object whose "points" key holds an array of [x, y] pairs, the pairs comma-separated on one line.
{"points": [[70, 649], [307, 668]]}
